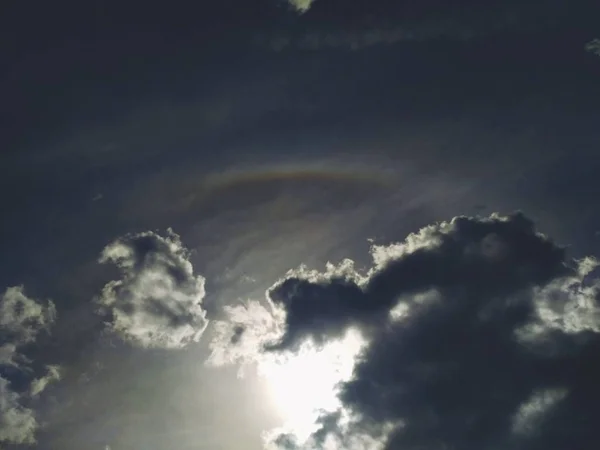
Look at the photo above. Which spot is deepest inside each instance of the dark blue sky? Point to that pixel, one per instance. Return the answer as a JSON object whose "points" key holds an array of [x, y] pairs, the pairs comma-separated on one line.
{"points": [[355, 120]]}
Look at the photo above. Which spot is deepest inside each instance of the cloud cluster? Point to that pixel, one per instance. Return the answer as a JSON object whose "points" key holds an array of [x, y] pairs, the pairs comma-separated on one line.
{"points": [[21, 320], [481, 334], [157, 303]]}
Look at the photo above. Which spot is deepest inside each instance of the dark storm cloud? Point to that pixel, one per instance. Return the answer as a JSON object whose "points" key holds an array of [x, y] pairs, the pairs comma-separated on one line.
{"points": [[482, 335], [21, 320], [496, 256], [158, 301]]}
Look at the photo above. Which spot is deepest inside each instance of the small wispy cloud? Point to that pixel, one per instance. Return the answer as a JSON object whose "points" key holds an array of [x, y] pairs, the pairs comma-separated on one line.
{"points": [[53, 373], [301, 5], [593, 46]]}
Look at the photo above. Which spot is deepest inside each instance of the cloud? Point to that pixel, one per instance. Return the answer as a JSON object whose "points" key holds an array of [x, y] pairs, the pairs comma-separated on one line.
{"points": [[396, 27], [53, 373], [17, 422], [359, 39], [21, 320], [240, 339], [482, 334], [301, 5], [480, 254], [593, 46], [534, 409], [158, 301]]}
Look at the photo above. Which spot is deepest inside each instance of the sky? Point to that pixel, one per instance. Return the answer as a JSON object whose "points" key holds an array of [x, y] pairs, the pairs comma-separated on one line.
{"points": [[299, 225]]}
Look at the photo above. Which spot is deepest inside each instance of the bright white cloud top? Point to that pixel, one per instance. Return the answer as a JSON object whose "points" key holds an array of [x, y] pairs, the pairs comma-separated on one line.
{"points": [[22, 318], [158, 301]]}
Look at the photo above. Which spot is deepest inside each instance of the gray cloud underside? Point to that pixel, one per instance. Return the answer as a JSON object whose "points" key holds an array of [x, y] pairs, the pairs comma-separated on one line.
{"points": [[158, 301], [482, 335], [21, 320]]}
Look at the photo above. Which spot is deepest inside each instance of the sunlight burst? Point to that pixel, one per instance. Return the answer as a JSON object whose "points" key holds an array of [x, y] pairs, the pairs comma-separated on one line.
{"points": [[305, 384]]}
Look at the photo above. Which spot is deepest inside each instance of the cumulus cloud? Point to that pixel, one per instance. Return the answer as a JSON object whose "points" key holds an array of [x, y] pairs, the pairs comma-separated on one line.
{"points": [[481, 254], [21, 320], [158, 300], [482, 334]]}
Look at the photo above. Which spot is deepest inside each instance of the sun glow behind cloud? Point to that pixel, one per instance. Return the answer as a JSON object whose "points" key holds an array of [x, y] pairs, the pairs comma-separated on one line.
{"points": [[303, 385]]}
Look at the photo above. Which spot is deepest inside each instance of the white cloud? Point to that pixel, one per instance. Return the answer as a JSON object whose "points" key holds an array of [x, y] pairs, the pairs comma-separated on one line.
{"points": [[301, 5], [39, 384], [21, 320], [532, 412], [568, 304], [17, 422], [240, 339], [158, 301]]}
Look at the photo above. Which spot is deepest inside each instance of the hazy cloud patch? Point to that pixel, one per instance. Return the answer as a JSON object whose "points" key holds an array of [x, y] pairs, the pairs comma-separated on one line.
{"points": [[301, 5], [158, 300], [533, 410], [593, 46], [53, 373], [241, 338]]}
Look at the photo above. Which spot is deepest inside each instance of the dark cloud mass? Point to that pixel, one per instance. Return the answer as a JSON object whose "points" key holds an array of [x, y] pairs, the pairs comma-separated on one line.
{"points": [[482, 335], [158, 301], [21, 320], [497, 256]]}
